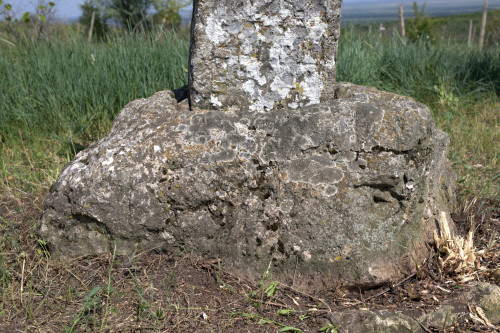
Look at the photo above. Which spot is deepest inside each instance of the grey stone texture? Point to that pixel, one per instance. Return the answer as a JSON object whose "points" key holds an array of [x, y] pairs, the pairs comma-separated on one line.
{"points": [[440, 317], [263, 54], [348, 189]]}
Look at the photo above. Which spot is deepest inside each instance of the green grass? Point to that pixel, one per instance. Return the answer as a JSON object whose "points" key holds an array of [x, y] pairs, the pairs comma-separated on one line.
{"points": [[55, 86], [416, 69], [59, 95]]}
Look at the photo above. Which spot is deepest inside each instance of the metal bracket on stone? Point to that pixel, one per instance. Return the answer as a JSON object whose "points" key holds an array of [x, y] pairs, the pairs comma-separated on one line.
{"points": [[181, 93]]}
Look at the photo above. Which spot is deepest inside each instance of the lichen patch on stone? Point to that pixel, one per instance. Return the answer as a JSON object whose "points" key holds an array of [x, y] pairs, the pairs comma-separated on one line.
{"points": [[263, 54]]}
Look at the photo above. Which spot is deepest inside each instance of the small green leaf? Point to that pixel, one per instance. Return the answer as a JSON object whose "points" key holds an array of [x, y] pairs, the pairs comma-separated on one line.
{"points": [[330, 328], [290, 329], [93, 292], [271, 289], [51, 4], [285, 312], [42, 18], [8, 6], [26, 19], [265, 321]]}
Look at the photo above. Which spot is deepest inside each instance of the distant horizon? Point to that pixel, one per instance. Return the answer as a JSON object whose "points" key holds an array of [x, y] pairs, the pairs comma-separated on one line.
{"points": [[352, 10]]}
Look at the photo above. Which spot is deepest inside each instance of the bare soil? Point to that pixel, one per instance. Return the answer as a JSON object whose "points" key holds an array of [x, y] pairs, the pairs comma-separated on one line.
{"points": [[153, 292]]}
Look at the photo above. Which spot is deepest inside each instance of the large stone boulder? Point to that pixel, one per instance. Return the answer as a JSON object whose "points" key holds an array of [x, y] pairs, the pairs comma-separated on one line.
{"points": [[347, 189], [263, 54]]}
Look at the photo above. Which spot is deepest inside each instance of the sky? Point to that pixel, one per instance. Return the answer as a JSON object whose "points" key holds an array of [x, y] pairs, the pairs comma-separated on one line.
{"points": [[70, 9]]}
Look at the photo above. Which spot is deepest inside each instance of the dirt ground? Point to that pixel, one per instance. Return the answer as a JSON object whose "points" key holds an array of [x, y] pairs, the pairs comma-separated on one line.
{"points": [[153, 292]]}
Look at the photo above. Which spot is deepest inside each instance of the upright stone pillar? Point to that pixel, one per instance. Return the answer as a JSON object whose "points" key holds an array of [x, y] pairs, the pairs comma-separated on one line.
{"points": [[263, 54]]}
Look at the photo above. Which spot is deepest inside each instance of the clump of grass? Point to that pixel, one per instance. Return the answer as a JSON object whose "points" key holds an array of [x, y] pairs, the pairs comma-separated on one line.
{"points": [[415, 69], [474, 135], [61, 86], [28, 166]]}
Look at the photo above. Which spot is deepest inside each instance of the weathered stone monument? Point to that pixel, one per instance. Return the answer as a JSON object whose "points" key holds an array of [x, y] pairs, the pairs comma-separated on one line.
{"points": [[264, 54], [275, 166]]}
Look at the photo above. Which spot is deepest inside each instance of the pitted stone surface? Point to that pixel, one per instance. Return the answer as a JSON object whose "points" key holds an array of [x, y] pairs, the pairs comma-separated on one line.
{"points": [[263, 54], [345, 189]]}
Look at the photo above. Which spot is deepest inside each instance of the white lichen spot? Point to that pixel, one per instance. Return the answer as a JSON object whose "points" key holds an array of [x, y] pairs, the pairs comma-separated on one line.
{"points": [[109, 158], [166, 235], [215, 101], [411, 187], [312, 85], [281, 87], [308, 60], [307, 255], [221, 194], [217, 134], [156, 148], [213, 28], [284, 13], [270, 21], [249, 88], [252, 66], [262, 104], [316, 28], [242, 129], [330, 64]]}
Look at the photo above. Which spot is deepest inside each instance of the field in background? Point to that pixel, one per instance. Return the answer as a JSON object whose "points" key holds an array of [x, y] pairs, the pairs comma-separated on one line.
{"points": [[369, 11], [446, 28]]}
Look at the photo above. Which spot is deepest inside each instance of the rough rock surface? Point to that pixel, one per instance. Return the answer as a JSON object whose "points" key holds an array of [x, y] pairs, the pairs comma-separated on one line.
{"points": [[349, 188], [263, 54], [482, 295]]}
